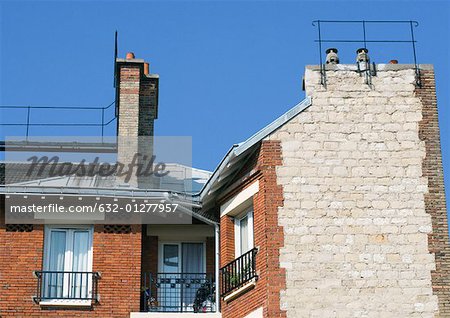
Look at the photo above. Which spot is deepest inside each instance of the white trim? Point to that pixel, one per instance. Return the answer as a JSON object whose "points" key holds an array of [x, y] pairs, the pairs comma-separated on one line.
{"points": [[239, 201], [257, 313], [216, 265], [66, 302]]}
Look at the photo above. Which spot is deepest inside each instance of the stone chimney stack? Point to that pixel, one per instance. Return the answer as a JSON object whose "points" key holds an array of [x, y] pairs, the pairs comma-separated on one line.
{"points": [[362, 173], [136, 109]]}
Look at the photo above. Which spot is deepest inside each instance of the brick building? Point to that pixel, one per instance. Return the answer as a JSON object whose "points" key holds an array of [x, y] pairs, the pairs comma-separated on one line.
{"points": [[335, 209]]}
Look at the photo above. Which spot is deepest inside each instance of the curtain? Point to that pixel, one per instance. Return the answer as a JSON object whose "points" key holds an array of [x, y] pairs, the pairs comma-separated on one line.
{"points": [[79, 281], [244, 234], [192, 269], [55, 281], [192, 257]]}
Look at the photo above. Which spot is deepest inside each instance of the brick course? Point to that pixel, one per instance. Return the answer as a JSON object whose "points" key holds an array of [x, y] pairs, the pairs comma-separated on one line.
{"points": [[435, 204]]}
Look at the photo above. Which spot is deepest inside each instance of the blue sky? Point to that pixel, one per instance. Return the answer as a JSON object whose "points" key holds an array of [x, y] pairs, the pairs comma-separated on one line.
{"points": [[226, 68]]}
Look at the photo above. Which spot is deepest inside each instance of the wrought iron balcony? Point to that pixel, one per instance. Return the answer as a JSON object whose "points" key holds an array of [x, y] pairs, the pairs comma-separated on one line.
{"points": [[58, 285], [178, 292], [238, 272]]}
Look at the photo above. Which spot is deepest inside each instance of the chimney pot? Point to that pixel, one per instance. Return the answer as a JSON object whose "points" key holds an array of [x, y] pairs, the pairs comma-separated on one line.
{"points": [[332, 57], [130, 56], [393, 62], [146, 68]]}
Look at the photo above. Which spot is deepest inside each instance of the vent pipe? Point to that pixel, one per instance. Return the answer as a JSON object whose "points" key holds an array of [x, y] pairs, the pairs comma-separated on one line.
{"points": [[362, 59], [332, 57]]}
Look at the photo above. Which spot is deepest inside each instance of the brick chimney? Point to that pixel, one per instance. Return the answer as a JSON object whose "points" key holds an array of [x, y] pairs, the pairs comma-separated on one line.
{"points": [[136, 109], [136, 96]]}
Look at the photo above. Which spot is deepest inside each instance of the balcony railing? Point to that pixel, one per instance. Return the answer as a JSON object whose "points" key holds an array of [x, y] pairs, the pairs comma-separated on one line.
{"points": [[178, 292], [238, 272], [58, 285]]}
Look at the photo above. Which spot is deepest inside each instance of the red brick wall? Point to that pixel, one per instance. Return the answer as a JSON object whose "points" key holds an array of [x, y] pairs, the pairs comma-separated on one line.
{"points": [[268, 237], [20, 254], [116, 256], [435, 205], [270, 158], [149, 253], [226, 240]]}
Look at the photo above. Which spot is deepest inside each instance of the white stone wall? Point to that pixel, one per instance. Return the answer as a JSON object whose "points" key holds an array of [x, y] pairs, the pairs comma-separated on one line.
{"points": [[354, 218]]}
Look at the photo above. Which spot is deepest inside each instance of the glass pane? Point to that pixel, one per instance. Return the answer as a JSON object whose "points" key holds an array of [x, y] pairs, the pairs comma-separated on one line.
{"points": [[170, 258], [57, 250], [169, 291], [80, 251], [79, 280], [244, 234], [54, 281]]}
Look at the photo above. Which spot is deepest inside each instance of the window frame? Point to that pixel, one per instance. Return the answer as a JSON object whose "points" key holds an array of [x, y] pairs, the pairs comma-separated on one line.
{"points": [[68, 259]]}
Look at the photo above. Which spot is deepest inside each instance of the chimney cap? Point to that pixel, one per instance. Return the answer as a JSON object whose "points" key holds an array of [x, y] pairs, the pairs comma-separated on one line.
{"points": [[130, 56], [331, 49]]}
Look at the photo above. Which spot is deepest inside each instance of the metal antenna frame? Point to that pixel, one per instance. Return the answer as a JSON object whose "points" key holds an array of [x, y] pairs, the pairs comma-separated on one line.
{"points": [[320, 41]]}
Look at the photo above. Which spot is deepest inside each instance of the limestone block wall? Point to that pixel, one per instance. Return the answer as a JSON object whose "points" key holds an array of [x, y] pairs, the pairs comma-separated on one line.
{"points": [[354, 217]]}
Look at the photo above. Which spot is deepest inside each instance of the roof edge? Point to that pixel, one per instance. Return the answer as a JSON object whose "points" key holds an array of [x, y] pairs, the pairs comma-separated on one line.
{"points": [[240, 148]]}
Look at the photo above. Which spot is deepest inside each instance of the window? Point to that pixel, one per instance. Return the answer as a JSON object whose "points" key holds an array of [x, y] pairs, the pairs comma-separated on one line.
{"points": [[244, 232], [67, 271]]}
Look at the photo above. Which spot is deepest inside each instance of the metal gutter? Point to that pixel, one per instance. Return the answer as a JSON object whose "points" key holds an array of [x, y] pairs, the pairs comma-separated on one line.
{"points": [[277, 123], [89, 191]]}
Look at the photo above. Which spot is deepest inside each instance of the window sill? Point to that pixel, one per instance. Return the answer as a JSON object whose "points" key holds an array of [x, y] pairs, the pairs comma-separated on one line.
{"points": [[238, 292], [65, 303]]}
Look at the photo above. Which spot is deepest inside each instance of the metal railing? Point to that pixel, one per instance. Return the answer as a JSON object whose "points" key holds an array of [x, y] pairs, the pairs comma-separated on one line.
{"points": [[178, 292], [364, 39], [89, 112], [58, 285], [238, 272]]}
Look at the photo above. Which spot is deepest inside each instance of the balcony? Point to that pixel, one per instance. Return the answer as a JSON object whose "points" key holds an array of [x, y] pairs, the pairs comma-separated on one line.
{"points": [[66, 288], [178, 292], [238, 272]]}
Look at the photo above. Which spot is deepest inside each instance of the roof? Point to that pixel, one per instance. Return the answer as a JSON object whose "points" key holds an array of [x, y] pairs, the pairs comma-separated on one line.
{"points": [[177, 187], [181, 179], [238, 154]]}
